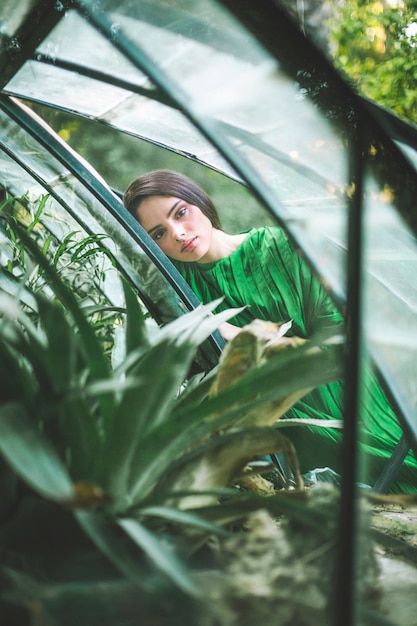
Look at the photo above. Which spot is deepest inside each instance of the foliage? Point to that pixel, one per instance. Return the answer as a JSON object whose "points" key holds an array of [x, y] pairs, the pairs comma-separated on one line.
{"points": [[80, 260], [111, 457], [374, 45]]}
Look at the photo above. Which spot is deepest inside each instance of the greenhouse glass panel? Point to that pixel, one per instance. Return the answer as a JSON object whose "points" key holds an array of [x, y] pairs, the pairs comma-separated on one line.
{"points": [[295, 147], [227, 88], [273, 124], [263, 115], [246, 98], [13, 15], [35, 172], [390, 295], [60, 87], [93, 51]]}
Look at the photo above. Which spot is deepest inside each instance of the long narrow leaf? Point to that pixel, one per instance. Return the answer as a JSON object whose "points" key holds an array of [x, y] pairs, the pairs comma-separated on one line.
{"points": [[75, 426], [38, 213], [65, 357], [11, 311], [218, 461], [191, 328], [20, 334], [31, 456], [82, 249], [116, 546], [162, 496], [306, 421], [184, 518], [16, 380], [16, 288], [195, 392], [92, 346], [162, 447], [197, 325], [159, 376], [58, 364], [136, 335], [186, 427], [162, 557], [288, 371], [161, 370], [64, 246], [292, 504], [98, 364]]}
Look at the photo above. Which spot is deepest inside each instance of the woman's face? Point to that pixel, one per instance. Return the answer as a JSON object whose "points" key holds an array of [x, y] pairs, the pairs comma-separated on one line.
{"points": [[179, 228]]}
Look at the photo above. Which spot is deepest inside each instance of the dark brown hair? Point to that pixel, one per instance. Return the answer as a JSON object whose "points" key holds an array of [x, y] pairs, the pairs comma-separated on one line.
{"points": [[169, 183]]}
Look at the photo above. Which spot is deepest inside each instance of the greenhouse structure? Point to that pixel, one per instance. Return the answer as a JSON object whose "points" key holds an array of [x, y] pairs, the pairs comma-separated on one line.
{"points": [[240, 98]]}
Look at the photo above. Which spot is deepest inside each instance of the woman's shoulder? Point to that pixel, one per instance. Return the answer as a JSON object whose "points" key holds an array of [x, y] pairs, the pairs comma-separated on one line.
{"points": [[251, 242], [267, 232], [266, 236]]}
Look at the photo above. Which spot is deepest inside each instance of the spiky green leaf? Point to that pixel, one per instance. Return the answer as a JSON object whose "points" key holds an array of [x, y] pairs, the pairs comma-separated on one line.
{"points": [[160, 372], [31, 455], [183, 518], [115, 545], [136, 335], [161, 555]]}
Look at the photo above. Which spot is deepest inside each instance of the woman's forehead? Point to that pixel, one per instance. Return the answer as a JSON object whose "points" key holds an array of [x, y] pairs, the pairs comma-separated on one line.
{"points": [[156, 207]]}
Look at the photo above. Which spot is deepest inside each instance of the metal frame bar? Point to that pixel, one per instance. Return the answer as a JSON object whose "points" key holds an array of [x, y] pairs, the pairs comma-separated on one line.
{"points": [[37, 25], [51, 191], [270, 24], [344, 608], [159, 96], [395, 127], [109, 202], [153, 93], [273, 19], [393, 466]]}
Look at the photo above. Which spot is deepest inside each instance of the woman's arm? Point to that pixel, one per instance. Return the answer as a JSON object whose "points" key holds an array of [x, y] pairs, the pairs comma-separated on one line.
{"points": [[229, 331]]}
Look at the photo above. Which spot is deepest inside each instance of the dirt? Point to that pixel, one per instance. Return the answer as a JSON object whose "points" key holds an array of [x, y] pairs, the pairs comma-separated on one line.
{"points": [[396, 550], [279, 572]]}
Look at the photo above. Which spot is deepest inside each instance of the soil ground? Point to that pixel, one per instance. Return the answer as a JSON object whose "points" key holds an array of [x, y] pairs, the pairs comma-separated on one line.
{"points": [[396, 550], [281, 572]]}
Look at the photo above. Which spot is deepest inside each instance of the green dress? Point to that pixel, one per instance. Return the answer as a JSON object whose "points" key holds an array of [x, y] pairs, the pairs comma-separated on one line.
{"points": [[267, 275]]}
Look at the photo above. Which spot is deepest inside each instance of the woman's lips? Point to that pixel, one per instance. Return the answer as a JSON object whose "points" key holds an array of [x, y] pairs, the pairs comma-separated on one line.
{"points": [[189, 245]]}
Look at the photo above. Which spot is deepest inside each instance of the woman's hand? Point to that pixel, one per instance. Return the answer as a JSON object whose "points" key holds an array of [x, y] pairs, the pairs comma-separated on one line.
{"points": [[229, 331]]}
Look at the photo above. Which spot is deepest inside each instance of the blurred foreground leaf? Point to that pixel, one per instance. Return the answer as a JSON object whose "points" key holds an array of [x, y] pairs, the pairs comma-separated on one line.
{"points": [[32, 458]]}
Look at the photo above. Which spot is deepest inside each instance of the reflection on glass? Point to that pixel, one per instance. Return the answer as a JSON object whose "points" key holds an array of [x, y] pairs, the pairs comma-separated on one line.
{"points": [[36, 171], [12, 16], [390, 294], [267, 117], [92, 50]]}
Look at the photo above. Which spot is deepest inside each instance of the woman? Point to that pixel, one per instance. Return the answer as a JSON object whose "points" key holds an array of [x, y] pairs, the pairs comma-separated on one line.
{"points": [[260, 269]]}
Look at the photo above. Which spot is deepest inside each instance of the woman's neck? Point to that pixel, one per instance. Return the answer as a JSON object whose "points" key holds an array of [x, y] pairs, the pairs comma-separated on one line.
{"points": [[222, 245]]}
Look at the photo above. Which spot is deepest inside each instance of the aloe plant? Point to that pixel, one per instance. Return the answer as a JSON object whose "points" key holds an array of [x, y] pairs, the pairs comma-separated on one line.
{"points": [[123, 449]]}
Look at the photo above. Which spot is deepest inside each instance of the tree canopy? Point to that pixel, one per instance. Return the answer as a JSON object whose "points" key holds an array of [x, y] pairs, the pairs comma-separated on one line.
{"points": [[374, 43]]}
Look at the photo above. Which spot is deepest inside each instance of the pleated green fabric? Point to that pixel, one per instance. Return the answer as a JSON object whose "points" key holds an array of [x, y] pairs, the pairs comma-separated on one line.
{"points": [[267, 275]]}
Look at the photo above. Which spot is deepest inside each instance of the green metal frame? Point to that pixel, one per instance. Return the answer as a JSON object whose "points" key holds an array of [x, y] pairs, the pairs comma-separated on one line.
{"points": [[270, 24]]}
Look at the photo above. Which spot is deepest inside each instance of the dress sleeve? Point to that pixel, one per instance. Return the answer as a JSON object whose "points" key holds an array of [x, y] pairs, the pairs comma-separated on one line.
{"points": [[318, 311]]}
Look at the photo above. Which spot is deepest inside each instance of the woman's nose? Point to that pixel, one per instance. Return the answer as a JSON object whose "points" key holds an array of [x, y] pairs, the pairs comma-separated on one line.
{"points": [[178, 233]]}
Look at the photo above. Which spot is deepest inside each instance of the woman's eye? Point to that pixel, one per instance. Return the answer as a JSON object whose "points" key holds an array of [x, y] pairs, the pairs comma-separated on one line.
{"points": [[158, 235], [181, 211]]}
